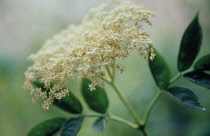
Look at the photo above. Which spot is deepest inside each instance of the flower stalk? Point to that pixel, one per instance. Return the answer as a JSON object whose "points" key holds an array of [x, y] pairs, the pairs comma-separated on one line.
{"points": [[114, 118], [177, 76], [141, 125], [150, 107], [127, 105]]}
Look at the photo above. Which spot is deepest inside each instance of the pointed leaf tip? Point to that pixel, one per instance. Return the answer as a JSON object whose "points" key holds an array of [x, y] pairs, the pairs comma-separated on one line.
{"points": [[100, 124], [204, 109], [197, 14], [190, 44]]}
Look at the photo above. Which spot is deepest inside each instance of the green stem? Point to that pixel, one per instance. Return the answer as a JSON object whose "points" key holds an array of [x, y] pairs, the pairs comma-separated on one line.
{"points": [[151, 105], [145, 132], [106, 79], [114, 118], [177, 76], [110, 74], [113, 71], [123, 99], [127, 105], [123, 121]]}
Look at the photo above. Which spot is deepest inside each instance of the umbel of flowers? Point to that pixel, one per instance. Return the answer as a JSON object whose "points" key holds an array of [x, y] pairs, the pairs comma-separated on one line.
{"points": [[108, 32]]}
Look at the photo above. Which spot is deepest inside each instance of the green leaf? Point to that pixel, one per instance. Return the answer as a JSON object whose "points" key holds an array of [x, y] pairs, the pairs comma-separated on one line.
{"points": [[47, 128], [97, 99], [190, 45], [203, 63], [185, 96], [69, 103], [199, 77], [160, 71], [100, 124], [71, 127]]}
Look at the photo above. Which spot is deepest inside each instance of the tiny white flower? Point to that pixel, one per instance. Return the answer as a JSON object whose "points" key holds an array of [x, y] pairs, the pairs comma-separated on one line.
{"points": [[108, 32]]}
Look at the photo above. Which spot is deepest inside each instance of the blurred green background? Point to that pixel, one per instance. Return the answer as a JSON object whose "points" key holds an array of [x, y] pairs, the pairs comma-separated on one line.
{"points": [[26, 25]]}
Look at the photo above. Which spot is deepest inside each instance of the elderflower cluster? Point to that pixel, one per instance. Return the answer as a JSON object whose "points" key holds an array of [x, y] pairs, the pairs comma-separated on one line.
{"points": [[108, 32]]}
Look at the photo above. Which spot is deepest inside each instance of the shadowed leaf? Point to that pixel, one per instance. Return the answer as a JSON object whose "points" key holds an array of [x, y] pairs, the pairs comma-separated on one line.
{"points": [[185, 96], [47, 128], [97, 99], [71, 126], [199, 77], [190, 45], [69, 103], [203, 63]]}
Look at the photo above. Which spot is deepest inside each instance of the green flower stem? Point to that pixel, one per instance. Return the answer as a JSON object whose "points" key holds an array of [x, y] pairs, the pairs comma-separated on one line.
{"points": [[110, 74], [123, 99], [106, 79], [113, 71], [155, 99], [123, 121], [177, 76], [127, 105], [145, 132], [151, 105], [113, 117]]}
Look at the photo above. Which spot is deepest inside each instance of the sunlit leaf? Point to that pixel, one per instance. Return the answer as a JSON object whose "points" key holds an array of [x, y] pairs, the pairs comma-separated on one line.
{"points": [[97, 99], [100, 124], [185, 96], [203, 63], [190, 45], [71, 127], [160, 71], [199, 77], [69, 103], [47, 128]]}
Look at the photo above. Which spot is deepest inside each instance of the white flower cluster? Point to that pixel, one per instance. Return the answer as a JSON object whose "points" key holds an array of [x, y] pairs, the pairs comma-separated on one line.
{"points": [[108, 32]]}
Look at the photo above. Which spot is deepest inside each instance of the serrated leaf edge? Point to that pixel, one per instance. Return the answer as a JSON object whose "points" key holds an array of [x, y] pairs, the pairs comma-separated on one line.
{"points": [[177, 100]]}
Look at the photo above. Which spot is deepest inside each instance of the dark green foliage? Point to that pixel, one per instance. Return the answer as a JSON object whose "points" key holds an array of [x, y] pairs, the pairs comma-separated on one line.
{"points": [[47, 128], [160, 71], [203, 63], [199, 77], [200, 74], [69, 103], [100, 124], [97, 99], [190, 45], [71, 126], [185, 96]]}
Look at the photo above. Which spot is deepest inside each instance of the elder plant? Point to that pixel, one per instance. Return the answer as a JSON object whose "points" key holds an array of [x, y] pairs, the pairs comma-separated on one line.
{"points": [[89, 51]]}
